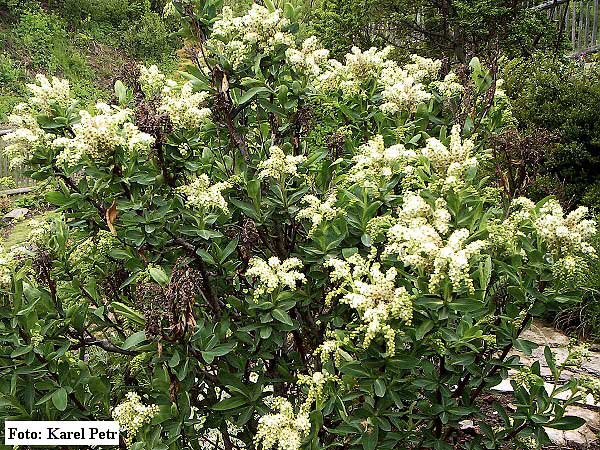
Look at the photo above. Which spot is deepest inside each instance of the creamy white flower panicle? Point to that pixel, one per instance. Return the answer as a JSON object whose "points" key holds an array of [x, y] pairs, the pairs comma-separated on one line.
{"points": [[418, 240], [565, 235], [450, 87], [186, 109], [201, 194], [152, 80], [47, 94], [132, 415], [315, 384], [275, 274], [372, 292], [309, 59], [26, 137], [282, 430], [402, 88], [99, 135], [318, 211], [375, 163], [451, 163], [239, 39], [423, 68], [454, 261], [359, 67], [279, 164]]}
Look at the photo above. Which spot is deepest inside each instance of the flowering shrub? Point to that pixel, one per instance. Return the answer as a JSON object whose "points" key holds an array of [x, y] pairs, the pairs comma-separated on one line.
{"points": [[219, 280]]}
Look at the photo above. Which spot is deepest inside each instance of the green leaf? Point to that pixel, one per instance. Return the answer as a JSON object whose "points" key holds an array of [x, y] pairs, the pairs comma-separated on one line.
{"points": [[128, 312], [379, 387], [567, 423], [251, 93], [423, 329], [159, 275], [57, 198], [230, 403], [121, 92], [21, 351], [59, 398], [134, 340], [282, 316], [370, 438]]}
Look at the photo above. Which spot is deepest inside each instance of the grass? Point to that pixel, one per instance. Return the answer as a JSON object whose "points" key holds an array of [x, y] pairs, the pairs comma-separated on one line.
{"points": [[89, 53]]}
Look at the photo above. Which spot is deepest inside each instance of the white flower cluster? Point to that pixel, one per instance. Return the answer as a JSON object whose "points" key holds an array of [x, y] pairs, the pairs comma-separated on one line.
{"points": [[330, 349], [49, 94], [279, 164], [417, 239], [152, 80], [359, 67], [315, 384], [317, 211], [282, 430], [402, 88], [451, 163], [7, 265], [309, 59], [132, 414], [202, 195], [565, 235], [27, 136], [375, 163], [99, 135], [373, 294], [423, 69], [450, 87], [274, 274], [238, 39], [186, 108]]}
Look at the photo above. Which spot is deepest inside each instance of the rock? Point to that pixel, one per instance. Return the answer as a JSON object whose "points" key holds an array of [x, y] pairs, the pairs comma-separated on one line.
{"points": [[15, 214], [585, 435]]}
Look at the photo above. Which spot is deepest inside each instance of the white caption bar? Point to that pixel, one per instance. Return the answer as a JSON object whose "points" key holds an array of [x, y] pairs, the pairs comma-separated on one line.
{"points": [[67, 432]]}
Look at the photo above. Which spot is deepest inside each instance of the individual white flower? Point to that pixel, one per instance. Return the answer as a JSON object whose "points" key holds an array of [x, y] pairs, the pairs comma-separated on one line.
{"points": [[202, 195], [275, 274], [279, 164]]}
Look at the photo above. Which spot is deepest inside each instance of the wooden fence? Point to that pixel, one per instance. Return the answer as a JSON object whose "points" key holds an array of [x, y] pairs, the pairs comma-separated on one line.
{"points": [[21, 181], [578, 19]]}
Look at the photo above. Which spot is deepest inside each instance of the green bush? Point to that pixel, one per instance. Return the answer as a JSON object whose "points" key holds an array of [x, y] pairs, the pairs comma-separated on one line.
{"points": [[44, 37], [224, 272], [115, 12], [148, 38], [561, 96]]}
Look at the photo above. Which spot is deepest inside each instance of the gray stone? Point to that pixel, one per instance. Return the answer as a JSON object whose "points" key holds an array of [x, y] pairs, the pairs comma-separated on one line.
{"points": [[585, 435], [15, 214]]}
